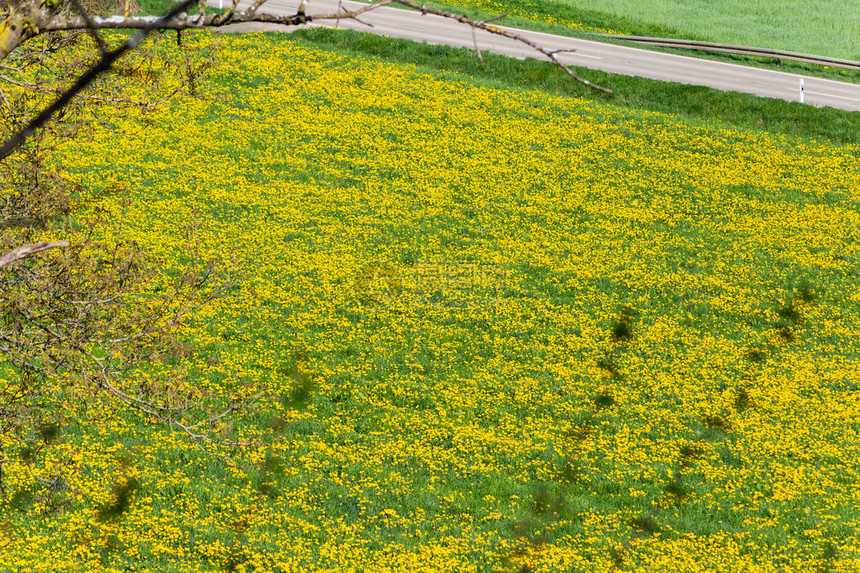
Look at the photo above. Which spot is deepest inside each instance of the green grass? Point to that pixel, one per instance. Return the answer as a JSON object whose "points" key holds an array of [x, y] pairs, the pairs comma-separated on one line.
{"points": [[822, 27], [706, 104], [159, 7]]}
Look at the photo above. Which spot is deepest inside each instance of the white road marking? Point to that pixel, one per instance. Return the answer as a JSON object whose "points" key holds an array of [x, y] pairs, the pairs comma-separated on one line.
{"points": [[832, 95]]}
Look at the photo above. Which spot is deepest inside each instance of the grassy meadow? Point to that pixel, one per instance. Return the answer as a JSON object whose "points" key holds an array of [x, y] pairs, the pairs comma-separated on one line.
{"points": [[546, 333], [696, 103], [822, 27]]}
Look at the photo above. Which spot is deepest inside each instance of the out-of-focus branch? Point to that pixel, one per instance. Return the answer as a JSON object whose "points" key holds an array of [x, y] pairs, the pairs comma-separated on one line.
{"points": [[27, 250], [105, 62], [21, 24]]}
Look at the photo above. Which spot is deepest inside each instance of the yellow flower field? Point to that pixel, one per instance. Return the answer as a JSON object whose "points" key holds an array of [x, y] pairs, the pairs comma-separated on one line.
{"points": [[556, 14], [543, 332]]}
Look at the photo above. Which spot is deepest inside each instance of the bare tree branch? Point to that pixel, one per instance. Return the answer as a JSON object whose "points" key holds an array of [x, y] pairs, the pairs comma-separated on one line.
{"points": [[27, 250], [476, 24], [104, 64]]}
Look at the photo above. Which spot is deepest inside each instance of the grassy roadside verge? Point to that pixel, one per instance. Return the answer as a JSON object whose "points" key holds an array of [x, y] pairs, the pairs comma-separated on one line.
{"points": [[819, 27], [571, 20], [742, 110]]}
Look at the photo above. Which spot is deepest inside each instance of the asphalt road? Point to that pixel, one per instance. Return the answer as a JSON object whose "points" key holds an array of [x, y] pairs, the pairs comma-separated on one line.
{"points": [[400, 23]]}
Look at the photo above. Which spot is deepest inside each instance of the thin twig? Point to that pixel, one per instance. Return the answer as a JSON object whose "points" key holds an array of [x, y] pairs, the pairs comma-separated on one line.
{"points": [[493, 19], [91, 27]]}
